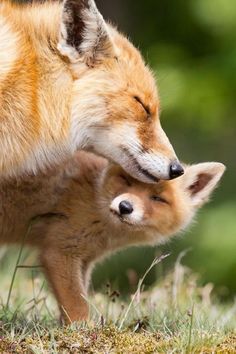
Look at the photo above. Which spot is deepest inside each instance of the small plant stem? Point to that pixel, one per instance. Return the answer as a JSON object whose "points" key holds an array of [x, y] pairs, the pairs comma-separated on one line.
{"points": [[190, 331], [17, 265], [156, 261]]}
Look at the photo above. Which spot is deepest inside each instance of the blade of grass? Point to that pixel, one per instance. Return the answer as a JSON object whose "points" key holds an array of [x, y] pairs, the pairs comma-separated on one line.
{"points": [[190, 330], [18, 260], [154, 263]]}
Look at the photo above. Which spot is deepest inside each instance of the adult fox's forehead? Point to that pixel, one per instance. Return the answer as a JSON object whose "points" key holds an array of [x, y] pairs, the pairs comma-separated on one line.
{"points": [[135, 70], [159, 189], [140, 84]]}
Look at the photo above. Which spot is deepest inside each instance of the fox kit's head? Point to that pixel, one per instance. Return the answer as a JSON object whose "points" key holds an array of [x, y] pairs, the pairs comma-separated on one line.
{"points": [[115, 105], [162, 209]]}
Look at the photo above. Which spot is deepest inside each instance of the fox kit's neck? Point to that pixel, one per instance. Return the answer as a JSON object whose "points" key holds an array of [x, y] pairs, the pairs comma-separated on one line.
{"points": [[106, 236]]}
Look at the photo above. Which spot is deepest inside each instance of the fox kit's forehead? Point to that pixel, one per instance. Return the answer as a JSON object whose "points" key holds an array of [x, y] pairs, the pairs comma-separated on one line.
{"points": [[169, 188]]}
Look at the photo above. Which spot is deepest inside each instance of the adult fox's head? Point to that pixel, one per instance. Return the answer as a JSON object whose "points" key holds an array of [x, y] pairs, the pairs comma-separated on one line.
{"points": [[115, 105]]}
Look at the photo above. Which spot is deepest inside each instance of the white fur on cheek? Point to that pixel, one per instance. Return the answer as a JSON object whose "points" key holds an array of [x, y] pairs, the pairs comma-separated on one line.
{"points": [[155, 163], [121, 143], [137, 215], [88, 110]]}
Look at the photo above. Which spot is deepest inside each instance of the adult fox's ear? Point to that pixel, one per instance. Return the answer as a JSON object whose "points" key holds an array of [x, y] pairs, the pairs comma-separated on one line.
{"points": [[200, 181], [84, 35]]}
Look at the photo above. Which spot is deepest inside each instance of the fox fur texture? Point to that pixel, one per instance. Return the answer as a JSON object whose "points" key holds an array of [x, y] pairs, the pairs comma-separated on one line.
{"points": [[89, 208], [69, 81]]}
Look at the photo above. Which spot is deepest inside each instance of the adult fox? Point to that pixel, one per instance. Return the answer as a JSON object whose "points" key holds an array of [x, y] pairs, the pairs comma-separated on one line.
{"points": [[70, 81]]}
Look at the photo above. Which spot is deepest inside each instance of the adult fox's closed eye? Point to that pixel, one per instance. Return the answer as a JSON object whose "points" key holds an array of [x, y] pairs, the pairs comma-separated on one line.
{"points": [[90, 209], [68, 80]]}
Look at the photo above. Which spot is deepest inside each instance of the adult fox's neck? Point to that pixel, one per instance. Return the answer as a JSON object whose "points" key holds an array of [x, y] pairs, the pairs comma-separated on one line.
{"points": [[35, 90]]}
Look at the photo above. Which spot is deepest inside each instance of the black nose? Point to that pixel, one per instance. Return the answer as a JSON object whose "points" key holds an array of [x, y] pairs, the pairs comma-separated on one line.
{"points": [[176, 170], [126, 208]]}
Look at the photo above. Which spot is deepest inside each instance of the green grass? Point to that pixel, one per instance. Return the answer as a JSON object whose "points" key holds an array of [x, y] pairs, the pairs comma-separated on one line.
{"points": [[176, 315]]}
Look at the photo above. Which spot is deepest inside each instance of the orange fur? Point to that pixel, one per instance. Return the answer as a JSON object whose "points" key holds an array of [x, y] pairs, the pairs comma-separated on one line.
{"points": [[56, 98], [77, 217]]}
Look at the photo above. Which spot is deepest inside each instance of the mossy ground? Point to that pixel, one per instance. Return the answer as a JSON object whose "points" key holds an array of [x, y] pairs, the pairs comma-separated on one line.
{"points": [[175, 316], [107, 340]]}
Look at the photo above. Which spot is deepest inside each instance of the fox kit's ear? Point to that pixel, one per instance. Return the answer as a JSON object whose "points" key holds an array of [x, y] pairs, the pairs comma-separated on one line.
{"points": [[200, 181], [84, 36]]}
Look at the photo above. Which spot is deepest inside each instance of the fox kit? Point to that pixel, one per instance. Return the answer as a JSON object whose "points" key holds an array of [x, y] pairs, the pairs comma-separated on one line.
{"points": [[70, 81], [89, 209]]}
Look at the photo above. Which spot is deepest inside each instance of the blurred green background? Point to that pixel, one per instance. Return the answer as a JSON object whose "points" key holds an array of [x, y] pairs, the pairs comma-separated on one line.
{"points": [[191, 46]]}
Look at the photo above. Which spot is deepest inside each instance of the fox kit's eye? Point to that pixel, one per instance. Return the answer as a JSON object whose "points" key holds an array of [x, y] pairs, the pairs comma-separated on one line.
{"points": [[156, 198], [146, 109], [125, 179]]}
